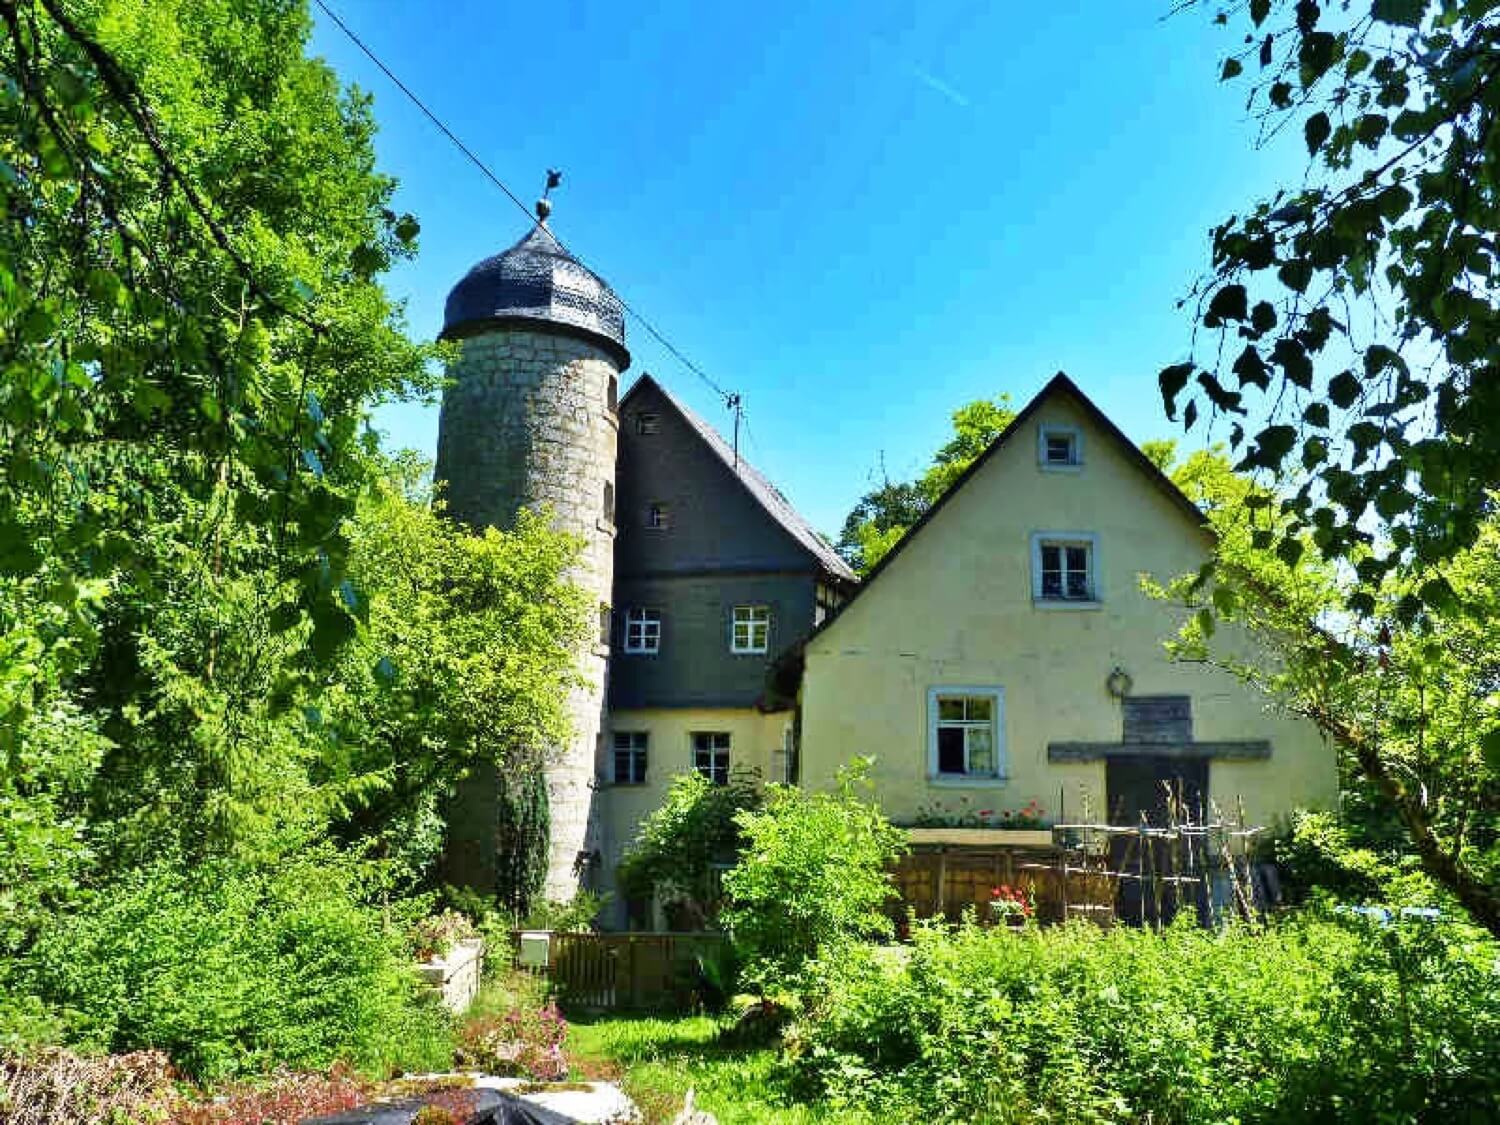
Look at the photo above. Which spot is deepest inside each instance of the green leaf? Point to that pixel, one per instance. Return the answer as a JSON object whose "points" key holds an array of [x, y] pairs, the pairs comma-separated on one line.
{"points": [[1232, 69], [1250, 368], [1296, 274], [1402, 13], [1229, 303], [1206, 623], [1259, 10], [1263, 317], [1225, 600], [1315, 131], [1343, 390], [1292, 358], [1274, 443], [1316, 414], [384, 671], [1171, 381], [1289, 551]]}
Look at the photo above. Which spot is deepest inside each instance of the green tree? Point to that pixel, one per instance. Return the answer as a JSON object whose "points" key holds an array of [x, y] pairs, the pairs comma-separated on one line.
{"points": [[1412, 711], [1357, 311], [884, 515], [814, 871]]}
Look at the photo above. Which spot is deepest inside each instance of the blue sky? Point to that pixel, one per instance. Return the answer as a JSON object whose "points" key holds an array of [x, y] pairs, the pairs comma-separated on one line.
{"points": [[858, 216]]}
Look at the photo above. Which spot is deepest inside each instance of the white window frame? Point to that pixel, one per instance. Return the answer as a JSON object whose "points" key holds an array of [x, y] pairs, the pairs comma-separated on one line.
{"points": [[751, 624], [996, 695], [1073, 434], [642, 630], [711, 769], [1089, 541], [638, 751]]}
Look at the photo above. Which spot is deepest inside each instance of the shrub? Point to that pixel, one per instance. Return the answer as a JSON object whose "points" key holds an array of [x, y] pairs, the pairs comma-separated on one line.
{"points": [[813, 873], [435, 935], [233, 970], [523, 1042], [679, 845], [1317, 1018], [283, 1099]]}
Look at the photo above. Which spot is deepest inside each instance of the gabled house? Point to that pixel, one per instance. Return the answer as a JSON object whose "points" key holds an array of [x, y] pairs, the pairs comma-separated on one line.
{"points": [[1004, 654], [714, 573]]}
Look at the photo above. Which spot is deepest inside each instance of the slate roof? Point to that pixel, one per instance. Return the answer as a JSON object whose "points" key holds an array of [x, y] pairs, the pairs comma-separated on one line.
{"points": [[766, 494], [535, 282]]}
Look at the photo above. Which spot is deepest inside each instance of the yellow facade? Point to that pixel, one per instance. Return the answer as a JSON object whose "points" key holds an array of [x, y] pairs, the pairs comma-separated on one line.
{"points": [[956, 606], [757, 741]]}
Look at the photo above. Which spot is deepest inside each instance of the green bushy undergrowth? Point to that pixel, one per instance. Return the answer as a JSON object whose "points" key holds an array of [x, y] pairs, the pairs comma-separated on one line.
{"points": [[234, 970], [1316, 1018]]}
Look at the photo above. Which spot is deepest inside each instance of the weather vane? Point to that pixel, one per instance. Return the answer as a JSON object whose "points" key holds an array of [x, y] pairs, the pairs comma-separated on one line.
{"points": [[544, 205]]}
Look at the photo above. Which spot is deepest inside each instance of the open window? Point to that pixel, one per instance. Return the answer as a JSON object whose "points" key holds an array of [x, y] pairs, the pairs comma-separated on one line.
{"points": [[966, 733]]}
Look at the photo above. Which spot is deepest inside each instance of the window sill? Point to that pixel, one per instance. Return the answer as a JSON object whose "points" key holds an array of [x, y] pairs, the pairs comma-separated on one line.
{"points": [[1058, 467], [749, 651], [640, 651], [962, 781], [1066, 603], [627, 784]]}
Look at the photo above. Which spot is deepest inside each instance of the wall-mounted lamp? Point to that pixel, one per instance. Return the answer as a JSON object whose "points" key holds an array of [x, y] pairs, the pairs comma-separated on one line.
{"points": [[1118, 683]]}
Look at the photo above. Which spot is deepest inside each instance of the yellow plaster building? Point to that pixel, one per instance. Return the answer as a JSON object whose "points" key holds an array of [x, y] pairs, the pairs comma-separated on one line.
{"points": [[1004, 653]]}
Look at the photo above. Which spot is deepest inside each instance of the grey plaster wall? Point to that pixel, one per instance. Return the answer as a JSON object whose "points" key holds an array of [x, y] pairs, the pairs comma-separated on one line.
{"points": [[695, 666], [527, 422]]}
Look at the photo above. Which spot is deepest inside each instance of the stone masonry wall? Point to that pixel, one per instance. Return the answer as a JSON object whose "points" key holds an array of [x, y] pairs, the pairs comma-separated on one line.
{"points": [[527, 422]]}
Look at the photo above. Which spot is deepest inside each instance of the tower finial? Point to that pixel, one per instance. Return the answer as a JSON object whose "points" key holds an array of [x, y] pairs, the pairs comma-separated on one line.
{"points": [[544, 205]]}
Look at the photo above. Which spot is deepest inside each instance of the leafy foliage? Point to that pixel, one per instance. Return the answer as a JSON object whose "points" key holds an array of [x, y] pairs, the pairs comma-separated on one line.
{"points": [[231, 969], [1360, 308], [813, 873], [885, 514], [1333, 1019], [680, 846], [1411, 709]]}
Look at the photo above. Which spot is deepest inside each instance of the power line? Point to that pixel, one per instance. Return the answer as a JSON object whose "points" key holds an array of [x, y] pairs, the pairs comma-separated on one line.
{"points": [[731, 400]]}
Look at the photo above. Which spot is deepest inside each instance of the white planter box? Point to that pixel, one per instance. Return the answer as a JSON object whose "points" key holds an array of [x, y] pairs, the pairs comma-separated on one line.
{"points": [[455, 975], [983, 837]]}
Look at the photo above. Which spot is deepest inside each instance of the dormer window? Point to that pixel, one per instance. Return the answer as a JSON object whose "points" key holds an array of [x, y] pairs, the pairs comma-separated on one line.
{"points": [[1059, 447], [658, 518], [647, 423]]}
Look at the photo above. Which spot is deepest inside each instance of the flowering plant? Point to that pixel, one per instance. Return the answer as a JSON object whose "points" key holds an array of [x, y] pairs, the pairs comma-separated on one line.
{"points": [[1010, 902], [523, 1043]]}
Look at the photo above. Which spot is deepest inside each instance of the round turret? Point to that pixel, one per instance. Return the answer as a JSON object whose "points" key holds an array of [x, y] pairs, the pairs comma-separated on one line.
{"points": [[528, 420], [538, 283]]}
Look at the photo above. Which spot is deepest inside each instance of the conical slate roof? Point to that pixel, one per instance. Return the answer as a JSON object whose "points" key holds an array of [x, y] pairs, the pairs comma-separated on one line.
{"points": [[537, 281]]}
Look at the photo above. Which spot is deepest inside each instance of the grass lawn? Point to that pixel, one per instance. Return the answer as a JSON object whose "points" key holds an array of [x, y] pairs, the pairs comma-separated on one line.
{"points": [[657, 1060]]}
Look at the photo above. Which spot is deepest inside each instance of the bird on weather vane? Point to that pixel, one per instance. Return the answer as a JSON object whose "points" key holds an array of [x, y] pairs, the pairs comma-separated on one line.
{"points": [[544, 205]]}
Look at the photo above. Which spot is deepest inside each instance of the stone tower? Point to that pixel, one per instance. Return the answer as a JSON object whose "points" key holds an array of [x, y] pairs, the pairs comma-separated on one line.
{"points": [[529, 419]]}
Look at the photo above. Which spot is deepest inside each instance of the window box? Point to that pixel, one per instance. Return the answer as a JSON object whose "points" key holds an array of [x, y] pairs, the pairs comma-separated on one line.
{"points": [[982, 837]]}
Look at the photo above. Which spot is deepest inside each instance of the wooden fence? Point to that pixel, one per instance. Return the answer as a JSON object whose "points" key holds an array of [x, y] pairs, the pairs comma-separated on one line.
{"points": [[629, 971]]}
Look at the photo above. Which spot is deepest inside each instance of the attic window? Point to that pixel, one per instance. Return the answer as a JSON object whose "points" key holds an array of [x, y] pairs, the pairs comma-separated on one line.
{"points": [[647, 423], [658, 518], [1059, 447], [1064, 568]]}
